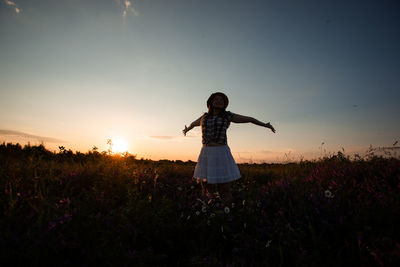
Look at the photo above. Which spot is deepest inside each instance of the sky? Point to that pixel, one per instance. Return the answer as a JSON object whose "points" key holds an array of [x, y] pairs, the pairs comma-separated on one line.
{"points": [[325, 74]]}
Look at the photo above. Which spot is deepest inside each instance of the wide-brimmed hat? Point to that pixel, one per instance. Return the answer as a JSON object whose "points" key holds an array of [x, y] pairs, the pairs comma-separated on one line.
{"points": [[210, 99]]}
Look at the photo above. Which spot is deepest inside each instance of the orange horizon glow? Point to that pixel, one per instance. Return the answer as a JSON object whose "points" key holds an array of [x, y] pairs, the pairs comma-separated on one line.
{"points": [[150, 151]]}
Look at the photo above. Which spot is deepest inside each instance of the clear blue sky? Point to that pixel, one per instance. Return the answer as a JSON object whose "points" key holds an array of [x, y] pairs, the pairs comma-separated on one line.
{"points": [[75, 73]]}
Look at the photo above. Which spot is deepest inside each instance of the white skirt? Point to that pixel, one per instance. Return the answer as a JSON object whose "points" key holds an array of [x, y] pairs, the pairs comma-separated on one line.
{"points": [[216, 165]]}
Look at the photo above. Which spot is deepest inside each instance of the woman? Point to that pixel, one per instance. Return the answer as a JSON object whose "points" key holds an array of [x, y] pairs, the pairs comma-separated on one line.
{"points": [[215, 164]]}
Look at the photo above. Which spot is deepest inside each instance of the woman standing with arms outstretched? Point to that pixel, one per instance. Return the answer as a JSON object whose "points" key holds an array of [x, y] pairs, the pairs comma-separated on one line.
{"points": [[215, 164]]}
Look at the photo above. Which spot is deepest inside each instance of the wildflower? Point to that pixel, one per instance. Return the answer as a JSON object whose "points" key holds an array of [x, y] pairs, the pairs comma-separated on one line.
{"points": [[192, 187], [179, 188], [201, 201], [328, 194], [197, 213], [52, 225], [244, 225], [212, 215], [258, 204], [188, 217], [226, 209], [268, 243], [233, 205], [243, 202], [204, 209], [222, 229]]}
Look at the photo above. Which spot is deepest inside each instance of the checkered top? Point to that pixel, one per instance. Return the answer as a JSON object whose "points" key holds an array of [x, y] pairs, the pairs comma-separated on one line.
{"points": [[213, 127]]}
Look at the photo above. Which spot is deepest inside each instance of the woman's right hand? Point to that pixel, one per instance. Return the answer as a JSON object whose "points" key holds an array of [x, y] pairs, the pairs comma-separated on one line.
{"points": [[185, 130]]}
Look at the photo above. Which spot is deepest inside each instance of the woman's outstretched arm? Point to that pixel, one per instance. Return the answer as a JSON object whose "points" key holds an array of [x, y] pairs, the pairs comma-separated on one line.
{"points": [[245, 119], [192, 125]]}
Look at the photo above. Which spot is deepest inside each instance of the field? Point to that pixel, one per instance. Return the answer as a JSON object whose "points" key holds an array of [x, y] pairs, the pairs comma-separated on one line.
{"points": [[91, 209]]}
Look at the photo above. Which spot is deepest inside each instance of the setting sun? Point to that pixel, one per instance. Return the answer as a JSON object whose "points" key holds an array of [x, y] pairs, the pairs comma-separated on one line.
{"points": [[119, 145]]}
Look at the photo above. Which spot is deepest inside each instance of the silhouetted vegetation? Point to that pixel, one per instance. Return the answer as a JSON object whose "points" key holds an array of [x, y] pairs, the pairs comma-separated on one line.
{"points": [[94, 208]]}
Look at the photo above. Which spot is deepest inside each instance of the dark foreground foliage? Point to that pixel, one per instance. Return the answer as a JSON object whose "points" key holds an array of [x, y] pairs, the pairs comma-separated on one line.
{"points": [[92, 209]]}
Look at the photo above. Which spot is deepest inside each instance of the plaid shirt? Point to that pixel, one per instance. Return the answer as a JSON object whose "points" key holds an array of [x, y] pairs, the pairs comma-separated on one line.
{"points": [[213, 127]]}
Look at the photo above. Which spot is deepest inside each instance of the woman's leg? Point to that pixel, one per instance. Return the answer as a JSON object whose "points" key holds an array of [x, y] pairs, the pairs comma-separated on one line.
{"points": [[210, 188], [226, 192]]}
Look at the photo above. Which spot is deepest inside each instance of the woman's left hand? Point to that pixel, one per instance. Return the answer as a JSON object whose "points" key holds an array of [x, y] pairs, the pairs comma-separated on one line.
{"points": [[271, 127]]}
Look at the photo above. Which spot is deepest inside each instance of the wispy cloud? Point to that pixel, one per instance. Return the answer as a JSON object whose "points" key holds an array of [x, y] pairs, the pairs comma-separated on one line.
{"points": [[13, 5], [127, 8], [169, 137], [11, 133], [163, 137], [258, 152]]}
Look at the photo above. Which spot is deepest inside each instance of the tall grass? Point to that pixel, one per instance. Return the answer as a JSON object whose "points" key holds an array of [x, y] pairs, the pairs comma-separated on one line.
{"points": [[96, 209]]}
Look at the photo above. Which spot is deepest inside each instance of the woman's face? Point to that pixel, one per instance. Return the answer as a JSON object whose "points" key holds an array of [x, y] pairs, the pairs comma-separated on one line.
{"points": [[218, 102]]}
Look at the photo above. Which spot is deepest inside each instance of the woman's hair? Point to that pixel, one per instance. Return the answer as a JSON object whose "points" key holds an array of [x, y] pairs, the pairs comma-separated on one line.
{"points": [[211, 98]]}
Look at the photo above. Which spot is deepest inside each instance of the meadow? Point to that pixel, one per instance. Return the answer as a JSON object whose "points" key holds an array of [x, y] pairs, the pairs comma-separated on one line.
{"points": [[85, 209]]}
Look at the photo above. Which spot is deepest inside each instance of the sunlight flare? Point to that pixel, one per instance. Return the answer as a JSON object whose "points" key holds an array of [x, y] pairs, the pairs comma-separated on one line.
{"points": [[118, 145]]}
